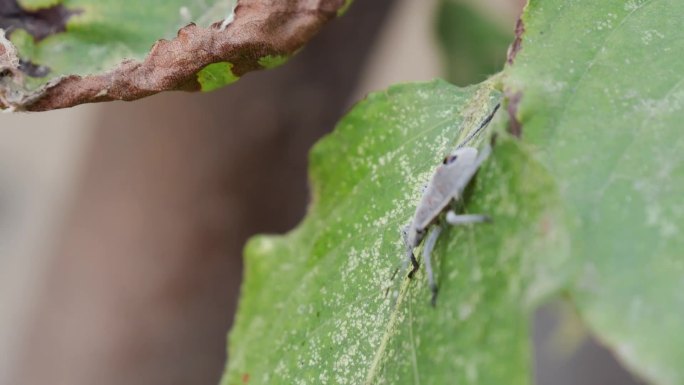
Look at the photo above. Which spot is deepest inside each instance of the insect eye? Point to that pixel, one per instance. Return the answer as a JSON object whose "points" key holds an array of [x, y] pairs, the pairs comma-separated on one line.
{"points": [[449, 159]]}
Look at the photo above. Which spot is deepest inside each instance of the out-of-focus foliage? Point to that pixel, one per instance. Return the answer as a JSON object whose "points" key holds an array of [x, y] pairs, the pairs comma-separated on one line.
{"points": [[473, 43]]}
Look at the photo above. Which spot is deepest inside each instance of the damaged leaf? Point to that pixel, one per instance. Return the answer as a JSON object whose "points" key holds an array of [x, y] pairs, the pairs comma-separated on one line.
{"points": [[81, 51]]}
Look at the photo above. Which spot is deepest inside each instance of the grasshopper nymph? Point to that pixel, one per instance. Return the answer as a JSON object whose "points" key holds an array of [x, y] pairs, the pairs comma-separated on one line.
{"points": [[446, 186]]}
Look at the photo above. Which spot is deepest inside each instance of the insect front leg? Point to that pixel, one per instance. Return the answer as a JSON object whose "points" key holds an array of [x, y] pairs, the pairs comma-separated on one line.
{"points": [[414, 264], [410, 237]]}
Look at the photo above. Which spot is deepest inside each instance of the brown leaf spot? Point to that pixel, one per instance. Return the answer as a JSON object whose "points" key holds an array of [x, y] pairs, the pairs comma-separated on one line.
{"points": [[517, 43]]}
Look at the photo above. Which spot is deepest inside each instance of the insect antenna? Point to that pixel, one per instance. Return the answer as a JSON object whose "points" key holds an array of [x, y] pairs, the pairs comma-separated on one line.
{"points": [[479, 129]]}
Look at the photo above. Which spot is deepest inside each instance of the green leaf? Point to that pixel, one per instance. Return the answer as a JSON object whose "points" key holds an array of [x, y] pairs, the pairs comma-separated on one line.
{"points": [[318, 305], [598, 90], [588, 202], [473, 44]]}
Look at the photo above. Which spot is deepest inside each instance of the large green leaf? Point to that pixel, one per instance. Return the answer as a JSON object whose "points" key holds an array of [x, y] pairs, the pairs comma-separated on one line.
{"points": [[317, 304], [598, 91], [588, 201], [78, 51]]}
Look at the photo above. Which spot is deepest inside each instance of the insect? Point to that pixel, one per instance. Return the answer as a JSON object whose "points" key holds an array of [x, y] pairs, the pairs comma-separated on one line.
{"points": [[445, 187]]}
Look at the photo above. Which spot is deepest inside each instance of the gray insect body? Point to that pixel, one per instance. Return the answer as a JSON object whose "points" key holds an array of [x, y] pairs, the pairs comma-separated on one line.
{"points": [[445, 186]]}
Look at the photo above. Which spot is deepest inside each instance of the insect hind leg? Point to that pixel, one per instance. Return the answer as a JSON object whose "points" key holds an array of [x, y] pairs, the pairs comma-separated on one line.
{"points": [[464, 219], [427, 257]]}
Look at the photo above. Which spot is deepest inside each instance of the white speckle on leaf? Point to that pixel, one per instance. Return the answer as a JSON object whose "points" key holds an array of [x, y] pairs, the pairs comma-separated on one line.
{"points": [[555, 86], [265, 245], [648, 36], [633, 5], [476, 274], [471, 372], [465, 310], [281, 369], [185, 15], [654, 108]]}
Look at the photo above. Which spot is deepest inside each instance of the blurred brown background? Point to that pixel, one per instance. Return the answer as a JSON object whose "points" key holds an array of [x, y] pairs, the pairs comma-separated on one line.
{"points": [[122, 224]]}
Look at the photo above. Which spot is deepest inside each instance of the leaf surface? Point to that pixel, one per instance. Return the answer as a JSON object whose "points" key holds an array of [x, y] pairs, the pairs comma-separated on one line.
{"points": [[318, 305], [597, 90], [587, 202]]}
